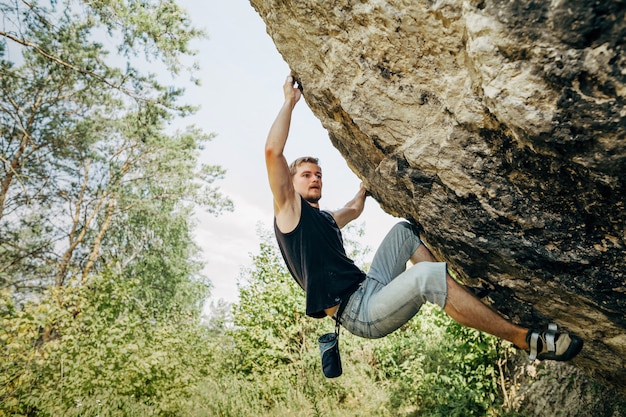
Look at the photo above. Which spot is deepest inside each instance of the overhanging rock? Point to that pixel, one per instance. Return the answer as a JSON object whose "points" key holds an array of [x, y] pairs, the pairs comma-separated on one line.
{"points": [[500, 128]]}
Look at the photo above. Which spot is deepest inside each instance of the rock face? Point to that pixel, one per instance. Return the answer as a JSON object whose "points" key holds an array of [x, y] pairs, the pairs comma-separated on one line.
{"points": [[499, 126]]}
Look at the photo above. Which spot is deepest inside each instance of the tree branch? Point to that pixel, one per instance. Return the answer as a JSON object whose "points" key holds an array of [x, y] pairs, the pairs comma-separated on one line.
{"points": [[70, 66]]}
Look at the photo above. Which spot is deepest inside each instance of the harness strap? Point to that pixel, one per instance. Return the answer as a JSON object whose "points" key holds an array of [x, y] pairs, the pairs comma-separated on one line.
{"points": [[337, 316]]}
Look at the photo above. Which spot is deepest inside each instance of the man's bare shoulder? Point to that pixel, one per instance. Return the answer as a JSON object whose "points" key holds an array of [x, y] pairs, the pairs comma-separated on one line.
{"points": [[288, 216]]}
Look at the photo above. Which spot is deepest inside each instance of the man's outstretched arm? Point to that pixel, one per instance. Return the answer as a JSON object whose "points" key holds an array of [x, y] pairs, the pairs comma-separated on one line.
{"points": [[352, 209], [275, 161]]}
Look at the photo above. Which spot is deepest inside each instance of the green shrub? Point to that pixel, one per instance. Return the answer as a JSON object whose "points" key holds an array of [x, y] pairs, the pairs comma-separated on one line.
{"points": [[437, 367], [96, 351]]}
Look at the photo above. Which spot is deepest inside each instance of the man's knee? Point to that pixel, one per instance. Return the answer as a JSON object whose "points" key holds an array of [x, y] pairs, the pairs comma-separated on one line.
{"points": [[405, 230], [409, 227], [431, 277], [421, 254]]}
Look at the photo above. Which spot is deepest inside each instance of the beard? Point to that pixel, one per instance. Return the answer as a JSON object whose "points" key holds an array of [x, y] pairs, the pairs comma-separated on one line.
{"points": [[313, 196]]}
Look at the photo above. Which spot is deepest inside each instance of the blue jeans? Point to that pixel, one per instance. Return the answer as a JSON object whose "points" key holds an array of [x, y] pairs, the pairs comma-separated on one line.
{"points": [[391, 294]]}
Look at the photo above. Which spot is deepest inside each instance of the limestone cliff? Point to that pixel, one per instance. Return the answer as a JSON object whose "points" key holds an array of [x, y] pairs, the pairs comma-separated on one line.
{"points": [[499, 126]]}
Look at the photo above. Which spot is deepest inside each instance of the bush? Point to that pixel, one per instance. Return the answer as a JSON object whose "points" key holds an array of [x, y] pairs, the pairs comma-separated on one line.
{"points": [[436, 367], [96, 351]]}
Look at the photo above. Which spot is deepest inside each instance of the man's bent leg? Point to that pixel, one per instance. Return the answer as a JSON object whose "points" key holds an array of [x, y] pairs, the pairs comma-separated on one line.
{"points": [[466, 309], [397, 247], [387, 307]]}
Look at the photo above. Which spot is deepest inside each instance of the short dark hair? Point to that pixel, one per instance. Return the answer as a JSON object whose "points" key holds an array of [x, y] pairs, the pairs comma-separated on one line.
{"points": [[293, 167]]}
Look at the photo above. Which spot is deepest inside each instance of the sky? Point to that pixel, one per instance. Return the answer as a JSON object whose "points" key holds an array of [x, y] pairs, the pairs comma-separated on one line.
{"points": [[242, 75]]}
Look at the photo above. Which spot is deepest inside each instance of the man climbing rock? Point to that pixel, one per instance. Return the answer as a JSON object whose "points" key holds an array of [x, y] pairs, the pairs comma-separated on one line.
{"points": [[375, 304]]}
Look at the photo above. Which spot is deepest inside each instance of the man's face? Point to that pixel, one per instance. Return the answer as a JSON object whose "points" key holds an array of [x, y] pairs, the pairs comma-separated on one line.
{"points": [[308, 182]]}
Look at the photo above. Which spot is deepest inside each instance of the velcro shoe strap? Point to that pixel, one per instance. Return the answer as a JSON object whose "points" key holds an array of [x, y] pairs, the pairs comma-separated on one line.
{"points": [[551, 337], [534, 337]]}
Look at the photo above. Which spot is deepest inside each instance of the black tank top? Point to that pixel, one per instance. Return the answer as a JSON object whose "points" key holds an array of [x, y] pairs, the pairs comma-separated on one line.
{"points": [[317, 260]]}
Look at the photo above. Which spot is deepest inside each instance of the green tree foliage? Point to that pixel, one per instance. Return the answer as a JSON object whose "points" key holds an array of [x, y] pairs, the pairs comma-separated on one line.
{"points": [[100, 290], [436, 367], [271, 328], [97, 350], [89, 178]]}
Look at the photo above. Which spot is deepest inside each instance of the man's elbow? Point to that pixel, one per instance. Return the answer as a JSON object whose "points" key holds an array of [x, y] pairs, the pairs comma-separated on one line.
{"points": [[271, 153], [352, 213]]}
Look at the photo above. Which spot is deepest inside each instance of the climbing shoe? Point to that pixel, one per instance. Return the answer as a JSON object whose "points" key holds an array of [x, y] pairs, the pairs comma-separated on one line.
{"points": [[553, 345]]}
